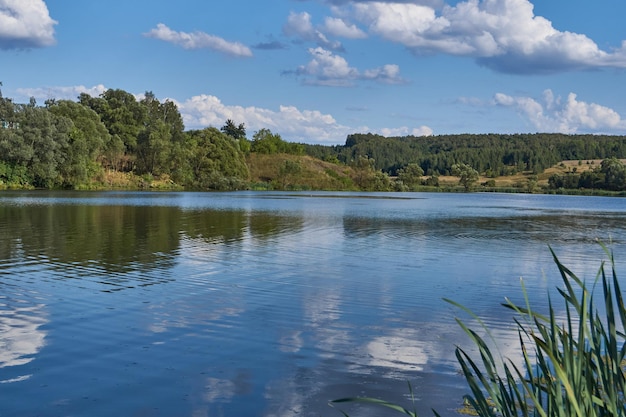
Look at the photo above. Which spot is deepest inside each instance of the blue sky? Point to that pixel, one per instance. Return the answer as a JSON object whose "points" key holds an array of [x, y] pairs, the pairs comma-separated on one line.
{"points": [[315, 71]]}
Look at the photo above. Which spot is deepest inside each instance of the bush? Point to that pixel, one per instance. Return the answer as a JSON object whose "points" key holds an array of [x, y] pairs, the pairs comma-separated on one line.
{"points": [[570, 369]]}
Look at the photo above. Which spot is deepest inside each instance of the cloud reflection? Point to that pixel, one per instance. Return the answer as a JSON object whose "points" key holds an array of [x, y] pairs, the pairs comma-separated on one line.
{"points": [[21, 336]]}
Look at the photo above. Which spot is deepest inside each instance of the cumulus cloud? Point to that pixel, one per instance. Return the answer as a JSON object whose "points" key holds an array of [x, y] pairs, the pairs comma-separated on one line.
{"points": [[198, 40], [299, 25], [338, 27], [504, 35], [61, 93], [328, 69], [405, 131], [291, 123], [25, 24], [553, 114]]}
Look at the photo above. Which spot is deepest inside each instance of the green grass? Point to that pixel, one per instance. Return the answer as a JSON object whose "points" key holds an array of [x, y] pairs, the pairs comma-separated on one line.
{"points": [[573, 366]]}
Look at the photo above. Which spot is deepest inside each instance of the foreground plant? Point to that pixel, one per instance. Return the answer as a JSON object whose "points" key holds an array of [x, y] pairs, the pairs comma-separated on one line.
{"points": [[573, 368]]}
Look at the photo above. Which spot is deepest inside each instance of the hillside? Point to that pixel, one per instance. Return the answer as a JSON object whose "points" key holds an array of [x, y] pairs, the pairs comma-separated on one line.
{"points": [[298, 172]]}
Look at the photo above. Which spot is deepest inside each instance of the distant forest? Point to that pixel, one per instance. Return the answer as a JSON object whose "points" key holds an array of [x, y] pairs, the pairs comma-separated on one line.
{"points": [[79, 144], [491, 154]]}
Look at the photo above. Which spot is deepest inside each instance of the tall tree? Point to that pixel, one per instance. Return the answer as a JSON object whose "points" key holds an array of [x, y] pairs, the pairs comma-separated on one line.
{"points": [[86, 141], [468, 176], [216, 161], [411, 176], [614, 174], [233, 130]]}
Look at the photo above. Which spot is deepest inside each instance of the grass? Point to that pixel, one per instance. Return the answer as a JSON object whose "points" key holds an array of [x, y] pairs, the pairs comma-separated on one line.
{"points": [[573, 366], [315, 174]]}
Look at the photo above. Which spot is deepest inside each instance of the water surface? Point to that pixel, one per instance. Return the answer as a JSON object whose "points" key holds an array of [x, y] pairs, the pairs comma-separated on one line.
{"points": [[267, 304]]}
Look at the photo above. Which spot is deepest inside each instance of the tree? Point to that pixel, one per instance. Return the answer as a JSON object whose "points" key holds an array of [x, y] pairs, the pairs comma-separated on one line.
{"points": [[614, 174], [468, 176], [363, 168], [39, 145], [234, 131], [411, 176], [121, 113], [162, 126], [86, 141], [215, 160], [266, 142], [367, 177], [287, 170]]}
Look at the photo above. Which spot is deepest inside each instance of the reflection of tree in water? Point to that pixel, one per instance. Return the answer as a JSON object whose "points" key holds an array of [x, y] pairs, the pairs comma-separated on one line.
{"points": [[541, 227], [121, 246], [116, 245], [265, 225], [215, 226]]}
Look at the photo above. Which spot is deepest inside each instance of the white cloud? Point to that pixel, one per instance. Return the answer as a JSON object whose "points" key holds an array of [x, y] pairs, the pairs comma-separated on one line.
{"points": [[25, 24], [291, 123], [61, 93], [299, 25], [389, 74], [328, 69], [198, 40], [551, 114], [405, 131], [337, 27], [504, 35]]}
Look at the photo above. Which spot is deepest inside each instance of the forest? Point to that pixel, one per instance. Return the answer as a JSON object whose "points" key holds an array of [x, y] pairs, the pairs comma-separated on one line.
{"points": [[118, 140]]}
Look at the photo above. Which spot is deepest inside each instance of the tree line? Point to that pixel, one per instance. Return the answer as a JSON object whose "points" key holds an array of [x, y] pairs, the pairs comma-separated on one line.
{"points": [[492, 154], [72, 144]]}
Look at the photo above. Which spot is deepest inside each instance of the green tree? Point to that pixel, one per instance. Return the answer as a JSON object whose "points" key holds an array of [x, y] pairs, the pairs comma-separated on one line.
{"points": [[234, 131], [86, 141], [468, 176], [123, 116], [614, 174], [216, 162], [287, 171], [266, 142], [154, 139], [39, 145], [411, 176], [363, 168]]}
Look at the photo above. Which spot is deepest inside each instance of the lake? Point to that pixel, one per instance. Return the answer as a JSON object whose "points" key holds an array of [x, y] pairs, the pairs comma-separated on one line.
{"points": [[267, 303]]}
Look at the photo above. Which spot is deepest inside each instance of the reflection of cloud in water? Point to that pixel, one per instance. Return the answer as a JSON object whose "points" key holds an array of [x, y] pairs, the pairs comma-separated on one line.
{"points": [[286, 399], [219, 390], [291, 343], [322, 307], [165, 321], [408, 349], [396, 352], [20, 336], [322, 312]]}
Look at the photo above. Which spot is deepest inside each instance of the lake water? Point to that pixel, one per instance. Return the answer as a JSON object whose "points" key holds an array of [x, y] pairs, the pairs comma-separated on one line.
{"points": [[268, 304]]}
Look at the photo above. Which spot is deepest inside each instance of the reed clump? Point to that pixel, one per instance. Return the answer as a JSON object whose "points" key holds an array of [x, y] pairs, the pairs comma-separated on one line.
{"points": [[573, 365]]}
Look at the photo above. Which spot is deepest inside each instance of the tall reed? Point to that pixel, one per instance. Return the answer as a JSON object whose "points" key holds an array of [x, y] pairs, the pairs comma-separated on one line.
{"points": [[573, 366]]}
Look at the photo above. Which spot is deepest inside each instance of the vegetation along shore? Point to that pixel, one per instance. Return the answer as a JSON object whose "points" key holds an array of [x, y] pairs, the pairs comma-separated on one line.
{"points": [[117, 141]]}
